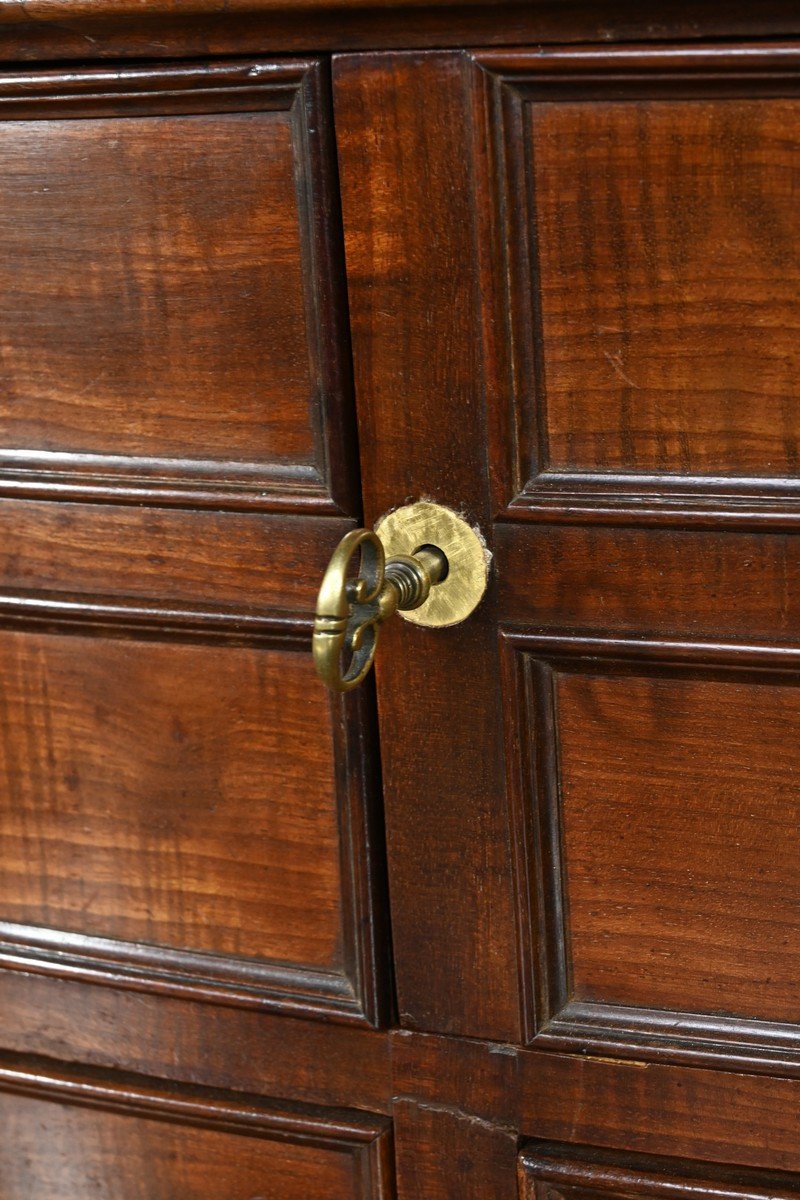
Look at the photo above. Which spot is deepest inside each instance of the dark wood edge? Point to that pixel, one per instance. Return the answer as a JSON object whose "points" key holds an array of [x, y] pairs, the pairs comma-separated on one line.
{"points": [[365, 898], [553, 1021], [758, 1047], [210, 978], [228, 85], [701, 503], [362, 992], [604, 1171], [634, 65], [326, 297], [504, 83], [79, 29], [185, 1105]]}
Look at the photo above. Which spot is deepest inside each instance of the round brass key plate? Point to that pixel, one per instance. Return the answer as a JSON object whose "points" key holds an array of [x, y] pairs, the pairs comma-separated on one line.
{"points": [[407, 529]]}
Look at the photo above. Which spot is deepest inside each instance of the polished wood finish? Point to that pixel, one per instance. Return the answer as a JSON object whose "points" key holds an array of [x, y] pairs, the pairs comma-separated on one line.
{"points": [[138, 280], [53, 29], [413, 311], [192, 898], [561, 278], [75, 1131]]}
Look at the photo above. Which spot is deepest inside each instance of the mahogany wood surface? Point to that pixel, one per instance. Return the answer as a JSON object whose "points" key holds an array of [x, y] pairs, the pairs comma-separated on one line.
{"points": [[637, 653], [45, 30], [67, 1131], [528, 925]]}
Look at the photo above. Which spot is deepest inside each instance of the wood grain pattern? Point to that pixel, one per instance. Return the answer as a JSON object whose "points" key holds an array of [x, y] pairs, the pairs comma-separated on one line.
{"points": [[640, 308], [550, 1170], [414, 313], [717, 1116], [159, 805], [67, 1131], [740, 586], [52, 29], [172, 558], [171, 314], [679, 841], [649, 910], [444, 1154], [682, 361], [169, 793]]}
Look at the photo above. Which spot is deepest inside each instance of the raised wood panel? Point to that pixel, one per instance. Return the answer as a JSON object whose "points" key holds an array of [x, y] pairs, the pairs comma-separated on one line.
{"points": [[655, 806], [172, 317], [640, 278], [65, 1134], [169, 794], [553, 1172], [668, 278]]}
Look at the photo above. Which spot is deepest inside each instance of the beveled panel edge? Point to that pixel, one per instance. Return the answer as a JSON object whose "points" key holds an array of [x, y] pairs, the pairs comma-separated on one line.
{"points": [[524, 486], [362, 992], [552, 1021], [568, 1167], [231, 85], [301, 88], [159, 970], [236, 487], [156, 620], [142, 1096]]}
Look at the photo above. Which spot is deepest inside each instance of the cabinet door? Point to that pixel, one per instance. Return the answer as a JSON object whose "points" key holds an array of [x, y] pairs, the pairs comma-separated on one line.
{"points": [[574, 293], [188, 872]]}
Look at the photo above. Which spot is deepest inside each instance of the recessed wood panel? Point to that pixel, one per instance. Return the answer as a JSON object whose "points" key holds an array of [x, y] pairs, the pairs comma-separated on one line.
{"points": [[152, 289], [169, 794], [654, 796], [638, 233], [68, 1136], [667, 235], [560, 1172], [681, 842], [169, 308], [187, 816]]}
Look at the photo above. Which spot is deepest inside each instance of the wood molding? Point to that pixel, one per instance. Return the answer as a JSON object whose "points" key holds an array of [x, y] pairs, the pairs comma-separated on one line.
{"points": [[96, 29], [301, 89], [526, 487], [553, 1020], [548, 1170], [361, 993]]}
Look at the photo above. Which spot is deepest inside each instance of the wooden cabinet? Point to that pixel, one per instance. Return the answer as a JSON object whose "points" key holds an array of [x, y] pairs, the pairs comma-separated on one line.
{"points": [[519, 916]]}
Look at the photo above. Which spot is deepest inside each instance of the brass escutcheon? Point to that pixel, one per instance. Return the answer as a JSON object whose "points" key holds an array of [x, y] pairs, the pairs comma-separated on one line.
{"points": [[423, 561]]}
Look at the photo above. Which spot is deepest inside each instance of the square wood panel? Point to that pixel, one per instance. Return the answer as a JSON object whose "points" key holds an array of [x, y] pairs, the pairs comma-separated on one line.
{"points": [[641, 276], [183, 816], [171, 308], [658, 812], [668, 273]]}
